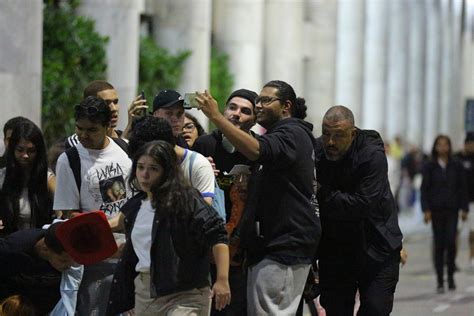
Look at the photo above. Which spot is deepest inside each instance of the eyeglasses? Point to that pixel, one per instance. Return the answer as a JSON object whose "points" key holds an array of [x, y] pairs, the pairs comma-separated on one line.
{"points": [[189, 127], [90, 110], [265, 100]]}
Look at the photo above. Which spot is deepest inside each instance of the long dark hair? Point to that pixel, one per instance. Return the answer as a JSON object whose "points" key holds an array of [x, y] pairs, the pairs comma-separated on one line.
{"points": [[434, 153], [287, 93], [14, 183], [171, 195]]}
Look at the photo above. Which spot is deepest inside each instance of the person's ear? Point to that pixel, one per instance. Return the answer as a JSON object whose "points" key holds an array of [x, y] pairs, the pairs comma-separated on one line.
{"points": [[286, 108], [354, 132]]}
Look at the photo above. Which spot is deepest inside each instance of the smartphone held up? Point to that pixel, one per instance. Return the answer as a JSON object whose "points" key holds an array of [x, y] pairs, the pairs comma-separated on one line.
{"points": [[143, 112], [190, 101]]}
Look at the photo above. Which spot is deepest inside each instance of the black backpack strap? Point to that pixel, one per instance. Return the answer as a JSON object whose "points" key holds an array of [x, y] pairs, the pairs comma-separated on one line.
{"points": [[75, 164], [121, 143]]}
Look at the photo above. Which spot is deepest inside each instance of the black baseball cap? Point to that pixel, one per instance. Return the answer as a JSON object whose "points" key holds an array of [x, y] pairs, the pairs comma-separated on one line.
{"points": [[166, 98]]}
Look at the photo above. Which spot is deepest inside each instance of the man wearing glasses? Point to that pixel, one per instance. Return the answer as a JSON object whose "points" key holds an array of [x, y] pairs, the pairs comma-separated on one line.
{"points": [[240, 111], [103, 166], [281, 229]]}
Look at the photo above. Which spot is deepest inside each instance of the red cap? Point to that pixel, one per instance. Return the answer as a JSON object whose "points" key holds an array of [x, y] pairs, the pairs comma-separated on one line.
{"points": [[87, 237]]}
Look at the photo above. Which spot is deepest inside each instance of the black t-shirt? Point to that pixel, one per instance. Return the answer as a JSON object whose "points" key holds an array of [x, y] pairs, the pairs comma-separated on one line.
{"points": [[211, 145]]}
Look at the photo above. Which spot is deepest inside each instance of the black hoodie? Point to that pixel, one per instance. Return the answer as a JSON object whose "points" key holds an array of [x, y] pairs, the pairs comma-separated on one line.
{"points": [[284, 225], [358, 212]]}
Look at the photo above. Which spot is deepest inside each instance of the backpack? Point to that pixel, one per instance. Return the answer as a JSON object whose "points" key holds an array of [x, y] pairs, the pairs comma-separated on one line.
{"points": [[75, 162], [218, 202]]}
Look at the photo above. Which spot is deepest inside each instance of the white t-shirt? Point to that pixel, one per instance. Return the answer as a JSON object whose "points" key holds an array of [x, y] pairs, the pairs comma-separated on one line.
{"points": [[141, 235], [104, 184], [24, 204], [202, 175]]}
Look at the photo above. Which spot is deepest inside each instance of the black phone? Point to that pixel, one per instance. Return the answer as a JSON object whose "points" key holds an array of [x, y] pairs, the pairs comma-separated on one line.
{"points": [[143, 111]]}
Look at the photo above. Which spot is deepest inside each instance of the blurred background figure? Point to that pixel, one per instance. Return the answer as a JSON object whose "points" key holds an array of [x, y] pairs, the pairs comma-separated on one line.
{"points": [[411, 165], [192, 129], [443, 195], [394, 173], [396, 148], [467, 159]]}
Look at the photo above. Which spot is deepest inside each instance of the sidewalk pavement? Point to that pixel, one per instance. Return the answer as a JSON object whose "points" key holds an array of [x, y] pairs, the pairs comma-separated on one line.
{"points": [[416, 290]]}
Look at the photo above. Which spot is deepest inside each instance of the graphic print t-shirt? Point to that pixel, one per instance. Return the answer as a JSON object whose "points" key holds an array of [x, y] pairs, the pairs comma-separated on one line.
{"points": [[104, 183]]}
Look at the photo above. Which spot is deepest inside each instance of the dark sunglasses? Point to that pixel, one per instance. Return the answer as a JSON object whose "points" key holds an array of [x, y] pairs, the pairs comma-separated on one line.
{"points": [[90, 110]]}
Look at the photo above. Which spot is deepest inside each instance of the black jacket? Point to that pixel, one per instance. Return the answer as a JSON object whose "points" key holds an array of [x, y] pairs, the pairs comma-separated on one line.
{"points": [[358, 213], [467, 161], [180, 253], [281, 197], [444, 189], [23, 272]]}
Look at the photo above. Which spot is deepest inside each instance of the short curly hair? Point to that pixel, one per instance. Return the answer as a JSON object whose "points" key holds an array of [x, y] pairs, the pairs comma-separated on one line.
{"points": [[147, 129]]}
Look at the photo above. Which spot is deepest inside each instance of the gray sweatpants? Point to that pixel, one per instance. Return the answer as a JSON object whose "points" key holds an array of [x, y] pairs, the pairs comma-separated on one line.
{"points": [[274, 288], [195, 302]]}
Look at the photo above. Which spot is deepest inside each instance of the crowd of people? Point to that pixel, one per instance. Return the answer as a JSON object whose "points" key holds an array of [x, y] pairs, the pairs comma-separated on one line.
{"points": [[303, 217]]}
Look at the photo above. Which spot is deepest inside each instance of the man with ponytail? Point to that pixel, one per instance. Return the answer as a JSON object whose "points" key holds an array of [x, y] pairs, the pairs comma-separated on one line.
{"points": [[281, 228]]}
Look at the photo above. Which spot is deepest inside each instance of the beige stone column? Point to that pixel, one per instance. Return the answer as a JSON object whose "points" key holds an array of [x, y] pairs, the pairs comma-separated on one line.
{"points": [[375, 56], [416, 74], [21, 42], [432, 74], [456, 115], [283, 40], [350, 55], [395, 114], [468, 54], [319, 59], [238, 31], [120, 21], [181, 25]]}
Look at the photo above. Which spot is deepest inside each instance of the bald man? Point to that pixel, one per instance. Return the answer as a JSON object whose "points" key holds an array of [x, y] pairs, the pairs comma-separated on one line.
{"points": [[361, 240]]}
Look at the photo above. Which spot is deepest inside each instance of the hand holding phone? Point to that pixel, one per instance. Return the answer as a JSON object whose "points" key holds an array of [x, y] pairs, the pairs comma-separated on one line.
{"points": [[138, 107], [142, 97]]}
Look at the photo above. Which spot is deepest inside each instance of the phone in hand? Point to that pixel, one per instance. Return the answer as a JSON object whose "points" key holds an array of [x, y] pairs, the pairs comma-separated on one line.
{"points": [[190, 101], [143, 111]]}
